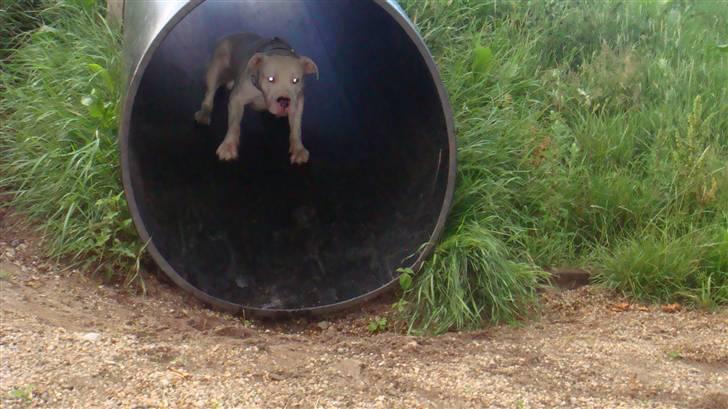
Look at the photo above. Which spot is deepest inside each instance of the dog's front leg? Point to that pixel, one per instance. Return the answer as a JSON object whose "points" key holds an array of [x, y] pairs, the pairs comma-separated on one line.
{"points": [[299, 154], [220, 62], [228, 149]]}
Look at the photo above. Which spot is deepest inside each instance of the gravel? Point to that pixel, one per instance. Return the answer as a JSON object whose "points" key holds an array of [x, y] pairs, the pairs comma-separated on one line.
{"points": [[68, 341]]}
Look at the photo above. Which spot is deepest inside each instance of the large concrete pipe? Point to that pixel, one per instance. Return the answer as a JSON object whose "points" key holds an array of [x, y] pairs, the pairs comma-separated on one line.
{"points": [[259, 234]]}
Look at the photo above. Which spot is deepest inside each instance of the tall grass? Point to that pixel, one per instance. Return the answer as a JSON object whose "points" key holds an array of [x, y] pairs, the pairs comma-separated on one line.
{"points": [[17, 17], [58, 136], [594, 134], [591, 133]]}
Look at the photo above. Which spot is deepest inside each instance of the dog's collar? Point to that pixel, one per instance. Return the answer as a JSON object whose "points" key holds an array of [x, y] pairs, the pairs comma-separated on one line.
{"points": [[277, 46]]}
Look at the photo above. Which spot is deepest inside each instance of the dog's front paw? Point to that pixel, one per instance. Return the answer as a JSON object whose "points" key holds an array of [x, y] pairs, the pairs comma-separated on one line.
{"points": [[202, 117], [228, 150], [299, 155]]}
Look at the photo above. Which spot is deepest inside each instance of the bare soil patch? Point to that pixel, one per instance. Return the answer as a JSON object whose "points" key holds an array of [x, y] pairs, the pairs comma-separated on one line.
{"points": [[69, 341]]}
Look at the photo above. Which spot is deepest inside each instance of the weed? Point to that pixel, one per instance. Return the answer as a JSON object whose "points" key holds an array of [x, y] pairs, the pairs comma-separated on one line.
{"points": [[405, 278], [674, 355], [377, 324], [24, 393]]}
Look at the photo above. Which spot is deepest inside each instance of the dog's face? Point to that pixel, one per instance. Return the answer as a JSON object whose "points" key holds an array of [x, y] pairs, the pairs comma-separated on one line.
{"points": [[280, 78]]}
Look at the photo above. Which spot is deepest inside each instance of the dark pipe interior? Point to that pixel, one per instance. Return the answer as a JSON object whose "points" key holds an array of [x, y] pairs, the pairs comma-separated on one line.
{"points": [[258, 231]]}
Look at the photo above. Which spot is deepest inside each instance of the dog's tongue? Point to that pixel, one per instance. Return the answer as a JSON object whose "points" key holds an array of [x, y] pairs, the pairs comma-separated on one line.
{"points": [[281, 106]]}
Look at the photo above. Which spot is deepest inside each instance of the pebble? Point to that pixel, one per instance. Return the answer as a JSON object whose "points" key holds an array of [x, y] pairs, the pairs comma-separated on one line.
{"points": [[90, 336]]}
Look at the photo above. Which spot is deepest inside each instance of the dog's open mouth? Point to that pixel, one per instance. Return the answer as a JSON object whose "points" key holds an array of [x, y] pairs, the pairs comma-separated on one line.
{"points": [[283, 104]]}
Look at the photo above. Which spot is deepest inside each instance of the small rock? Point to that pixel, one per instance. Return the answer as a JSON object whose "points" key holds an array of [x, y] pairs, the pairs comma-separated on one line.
{"points": [[16, 242], [90, 336], [411, 345], [324, 325]]}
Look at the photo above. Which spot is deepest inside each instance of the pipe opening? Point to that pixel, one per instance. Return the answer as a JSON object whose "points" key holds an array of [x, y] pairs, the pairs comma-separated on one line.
{"points": [[262, 233]]}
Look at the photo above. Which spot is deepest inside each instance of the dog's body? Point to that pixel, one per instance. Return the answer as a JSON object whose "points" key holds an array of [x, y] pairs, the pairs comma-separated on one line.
{"points": [[264, 73]]}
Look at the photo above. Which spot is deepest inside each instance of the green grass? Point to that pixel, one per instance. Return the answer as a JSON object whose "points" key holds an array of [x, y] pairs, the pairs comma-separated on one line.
{"points": [[659, 266], [58, 137], [17, 18], [591, 133]]}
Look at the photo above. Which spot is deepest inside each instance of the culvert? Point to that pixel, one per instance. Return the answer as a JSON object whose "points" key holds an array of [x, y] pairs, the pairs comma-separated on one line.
{"points": [[259, 234]]}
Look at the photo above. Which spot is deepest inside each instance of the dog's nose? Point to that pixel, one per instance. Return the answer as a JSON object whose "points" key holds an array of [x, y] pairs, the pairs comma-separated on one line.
{"points": [[283, 102]]}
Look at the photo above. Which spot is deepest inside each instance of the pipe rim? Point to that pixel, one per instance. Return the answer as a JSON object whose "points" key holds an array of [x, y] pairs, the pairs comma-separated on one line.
{"points": [[395, 12]]}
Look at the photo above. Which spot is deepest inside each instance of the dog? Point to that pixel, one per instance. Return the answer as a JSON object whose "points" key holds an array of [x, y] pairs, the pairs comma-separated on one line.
{"points": [[265, 73]]}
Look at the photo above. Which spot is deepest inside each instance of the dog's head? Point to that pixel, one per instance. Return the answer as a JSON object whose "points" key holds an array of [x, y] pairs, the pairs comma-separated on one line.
{"points": [[280, 79]]}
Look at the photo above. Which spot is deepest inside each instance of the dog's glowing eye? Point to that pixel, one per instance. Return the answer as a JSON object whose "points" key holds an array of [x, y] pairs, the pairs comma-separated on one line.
{"points": [[271, 79], [295, 80]]}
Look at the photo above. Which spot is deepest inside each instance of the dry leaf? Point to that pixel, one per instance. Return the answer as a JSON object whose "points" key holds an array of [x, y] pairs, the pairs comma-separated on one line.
{"points": [[33, 283], [671, 308], [619, 307]]}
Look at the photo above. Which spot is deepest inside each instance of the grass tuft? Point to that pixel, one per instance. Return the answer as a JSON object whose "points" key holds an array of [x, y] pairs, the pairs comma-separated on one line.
{"points": [[661, 267], [470, 279]]}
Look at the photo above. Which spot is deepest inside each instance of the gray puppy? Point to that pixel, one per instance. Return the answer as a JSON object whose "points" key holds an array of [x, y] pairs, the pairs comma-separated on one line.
{"points": [[265, 73]]}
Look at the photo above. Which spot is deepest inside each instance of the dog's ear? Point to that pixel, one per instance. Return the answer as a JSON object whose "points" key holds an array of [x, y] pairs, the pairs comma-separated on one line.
{"points": [[309, 67], [255, 61]]}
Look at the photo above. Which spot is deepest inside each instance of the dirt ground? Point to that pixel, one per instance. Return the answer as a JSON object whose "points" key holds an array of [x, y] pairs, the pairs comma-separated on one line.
{"points": [[68, 341]]}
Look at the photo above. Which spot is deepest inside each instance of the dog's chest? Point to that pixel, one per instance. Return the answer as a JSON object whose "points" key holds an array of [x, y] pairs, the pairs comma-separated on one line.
{"points": [[258, 103]]}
